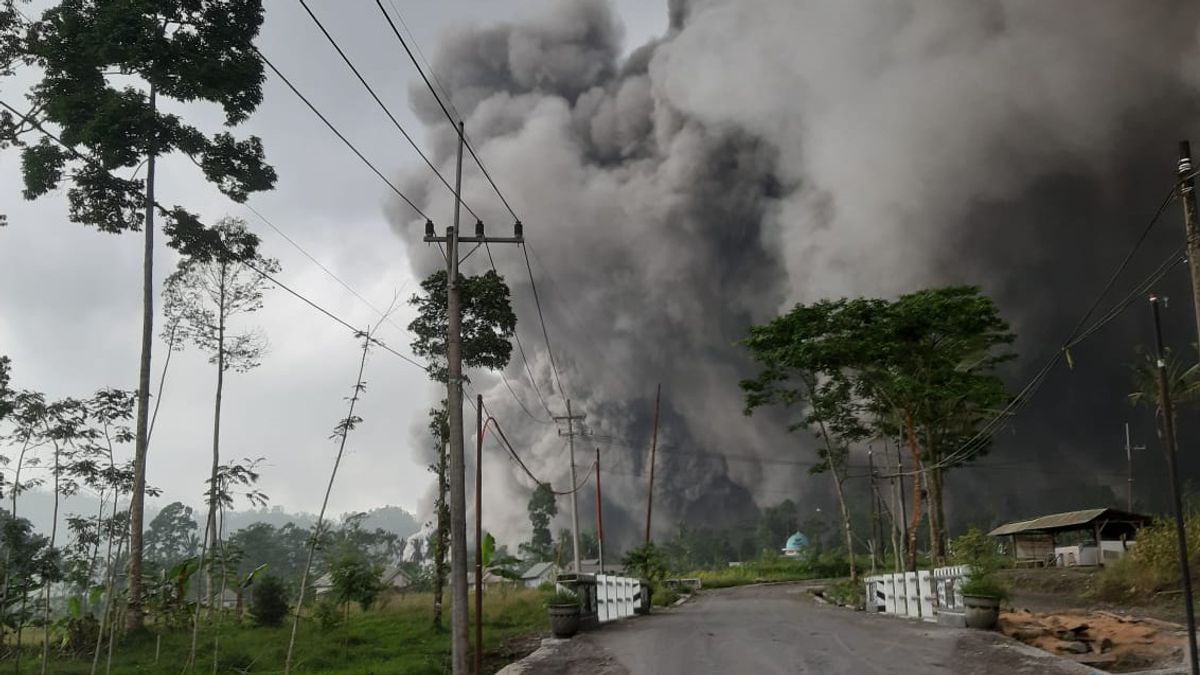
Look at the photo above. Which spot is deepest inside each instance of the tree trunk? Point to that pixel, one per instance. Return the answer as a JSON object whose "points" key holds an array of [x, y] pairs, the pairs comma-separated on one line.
{"points": [[439, 549], [53, 536], [846, 531], [937, 509], [134, 616], [914, 519], [15, 488], [213, 534]]}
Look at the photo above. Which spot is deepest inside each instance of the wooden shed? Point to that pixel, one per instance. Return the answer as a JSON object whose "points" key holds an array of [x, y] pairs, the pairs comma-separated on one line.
{"points": [[1105, 534]]}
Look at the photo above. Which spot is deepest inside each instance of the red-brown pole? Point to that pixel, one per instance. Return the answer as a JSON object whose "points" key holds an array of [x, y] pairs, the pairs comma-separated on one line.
{"points": [[479, 535], [653, 448], [599, 514]]}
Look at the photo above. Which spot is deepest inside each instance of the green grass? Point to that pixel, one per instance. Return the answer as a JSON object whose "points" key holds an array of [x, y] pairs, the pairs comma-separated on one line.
{"points": [[396, 638], [763, 571]]}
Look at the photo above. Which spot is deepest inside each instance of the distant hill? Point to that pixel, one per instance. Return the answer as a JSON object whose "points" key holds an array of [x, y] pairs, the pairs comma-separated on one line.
{"points": [[37, 506]]}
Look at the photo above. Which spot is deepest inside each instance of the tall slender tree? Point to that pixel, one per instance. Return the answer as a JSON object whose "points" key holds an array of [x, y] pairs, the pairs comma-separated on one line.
{"points": [[488, 323], [206, 293], [104, 66]]}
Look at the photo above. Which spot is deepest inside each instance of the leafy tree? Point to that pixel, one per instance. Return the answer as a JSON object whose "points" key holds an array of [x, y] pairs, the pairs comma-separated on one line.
{"points": [[1183, 380], [355, 579], [646, 562], [542, 508], [205, 293], [171, 536], [269, 601], [488, 323], [29, 564], [186, 50], [921, 368], [776, 524]]}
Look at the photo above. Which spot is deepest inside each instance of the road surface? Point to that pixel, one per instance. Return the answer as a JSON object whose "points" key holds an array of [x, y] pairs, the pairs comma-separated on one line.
{"points": [[779, 629]]}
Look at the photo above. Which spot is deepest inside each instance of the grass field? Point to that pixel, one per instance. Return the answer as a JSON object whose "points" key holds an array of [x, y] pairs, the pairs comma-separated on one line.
{"points": [[395, 639], [772, 570]]}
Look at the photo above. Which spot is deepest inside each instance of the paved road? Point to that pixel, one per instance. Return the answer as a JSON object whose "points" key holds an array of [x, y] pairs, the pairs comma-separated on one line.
{"points": [[779, 629]]}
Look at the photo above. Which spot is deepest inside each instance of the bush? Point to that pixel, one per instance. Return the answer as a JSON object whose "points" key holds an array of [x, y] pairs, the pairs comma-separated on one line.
{"points": [[846, 592], [270, 601], [562, 597], [977, 550], [327, 614], [984, 583]]}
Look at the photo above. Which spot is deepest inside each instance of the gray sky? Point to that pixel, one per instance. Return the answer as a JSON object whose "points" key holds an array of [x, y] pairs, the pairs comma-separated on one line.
{"points": [[71, 300]]}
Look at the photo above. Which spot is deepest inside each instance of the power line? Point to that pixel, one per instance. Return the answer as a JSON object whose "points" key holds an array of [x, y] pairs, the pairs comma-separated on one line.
{"points": [[963, 452], [337, 133], [85, 158], [382, 105], [542, 319], [521, 350]]}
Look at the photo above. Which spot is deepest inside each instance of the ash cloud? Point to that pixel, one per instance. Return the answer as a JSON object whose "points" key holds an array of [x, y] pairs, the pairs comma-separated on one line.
{"points": [[767, 152]]}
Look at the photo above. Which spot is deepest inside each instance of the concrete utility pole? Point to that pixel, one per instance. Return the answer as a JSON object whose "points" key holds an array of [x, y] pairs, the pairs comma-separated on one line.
{"points": [[653, 449], [1129, 448], [454, 402], [1164, 397], [478, 534], [1187, 195], [599, 514], [570, 419], [874, 509]]}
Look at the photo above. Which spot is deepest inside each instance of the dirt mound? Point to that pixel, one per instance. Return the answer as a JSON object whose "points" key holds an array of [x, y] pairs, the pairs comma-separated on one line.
{"points": [[1116, 643]]}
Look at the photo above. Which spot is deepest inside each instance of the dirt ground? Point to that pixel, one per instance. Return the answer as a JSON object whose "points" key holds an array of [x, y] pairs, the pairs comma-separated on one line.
{"points": [[1058, 589], [1106, 640]]}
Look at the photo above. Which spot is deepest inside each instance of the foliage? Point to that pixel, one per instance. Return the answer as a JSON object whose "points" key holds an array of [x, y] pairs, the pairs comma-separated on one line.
{"points": [[187, 51], [355, 580], [846, 593], [1152, 564], [327, 615], [563, 597], [488, 322], [397, 640], [978, 550], [171, 536], [984, 583], [543, 507], [645, 562], [269, 601], [205, 293]]}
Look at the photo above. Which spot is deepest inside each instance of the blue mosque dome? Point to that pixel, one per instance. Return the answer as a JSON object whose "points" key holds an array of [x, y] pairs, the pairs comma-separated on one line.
{"points": [[796, 543]]}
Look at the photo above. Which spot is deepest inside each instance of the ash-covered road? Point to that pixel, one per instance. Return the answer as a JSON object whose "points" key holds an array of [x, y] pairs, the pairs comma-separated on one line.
{"points": [[779, 629]]}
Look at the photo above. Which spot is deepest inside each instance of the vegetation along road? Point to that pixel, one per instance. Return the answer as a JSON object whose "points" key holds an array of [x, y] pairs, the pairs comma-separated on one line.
{"points": [[779, 629]]}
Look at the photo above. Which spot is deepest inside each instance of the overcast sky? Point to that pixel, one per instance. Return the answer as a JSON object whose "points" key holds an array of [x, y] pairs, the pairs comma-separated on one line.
{"points": [[70, 296]]}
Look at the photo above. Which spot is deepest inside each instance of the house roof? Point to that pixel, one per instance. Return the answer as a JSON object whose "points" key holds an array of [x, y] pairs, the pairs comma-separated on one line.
{"points": [[394, 574], [537, 570], [1069, 520]]}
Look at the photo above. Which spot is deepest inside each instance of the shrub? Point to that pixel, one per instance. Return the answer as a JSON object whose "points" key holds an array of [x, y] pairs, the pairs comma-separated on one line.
{"points": [[846, 592], [327, 615], [562, 597], [646, 562], [984, 583], [270, 601], [977, 550]]}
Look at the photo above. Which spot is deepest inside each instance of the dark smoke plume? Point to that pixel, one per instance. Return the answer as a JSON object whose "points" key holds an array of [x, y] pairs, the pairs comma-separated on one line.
{"points": [[767, 152]]}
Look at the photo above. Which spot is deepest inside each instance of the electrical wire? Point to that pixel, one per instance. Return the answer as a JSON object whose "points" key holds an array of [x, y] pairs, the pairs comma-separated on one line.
{"points": [[338, 133], [382, 105], [970, 447], [525, 359], [357, 331], [483, 169]]}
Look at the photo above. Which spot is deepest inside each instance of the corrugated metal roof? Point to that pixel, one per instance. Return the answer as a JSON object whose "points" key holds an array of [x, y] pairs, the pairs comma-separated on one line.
{"points": [[1058, 521]]}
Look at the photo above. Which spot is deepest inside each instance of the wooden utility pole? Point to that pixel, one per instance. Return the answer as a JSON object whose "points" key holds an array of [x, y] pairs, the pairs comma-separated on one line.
{"points": [[570, 418], [1164, 397], [901, 526], [653, 450], [478, 534], [454, 403], [1187, 195]]}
